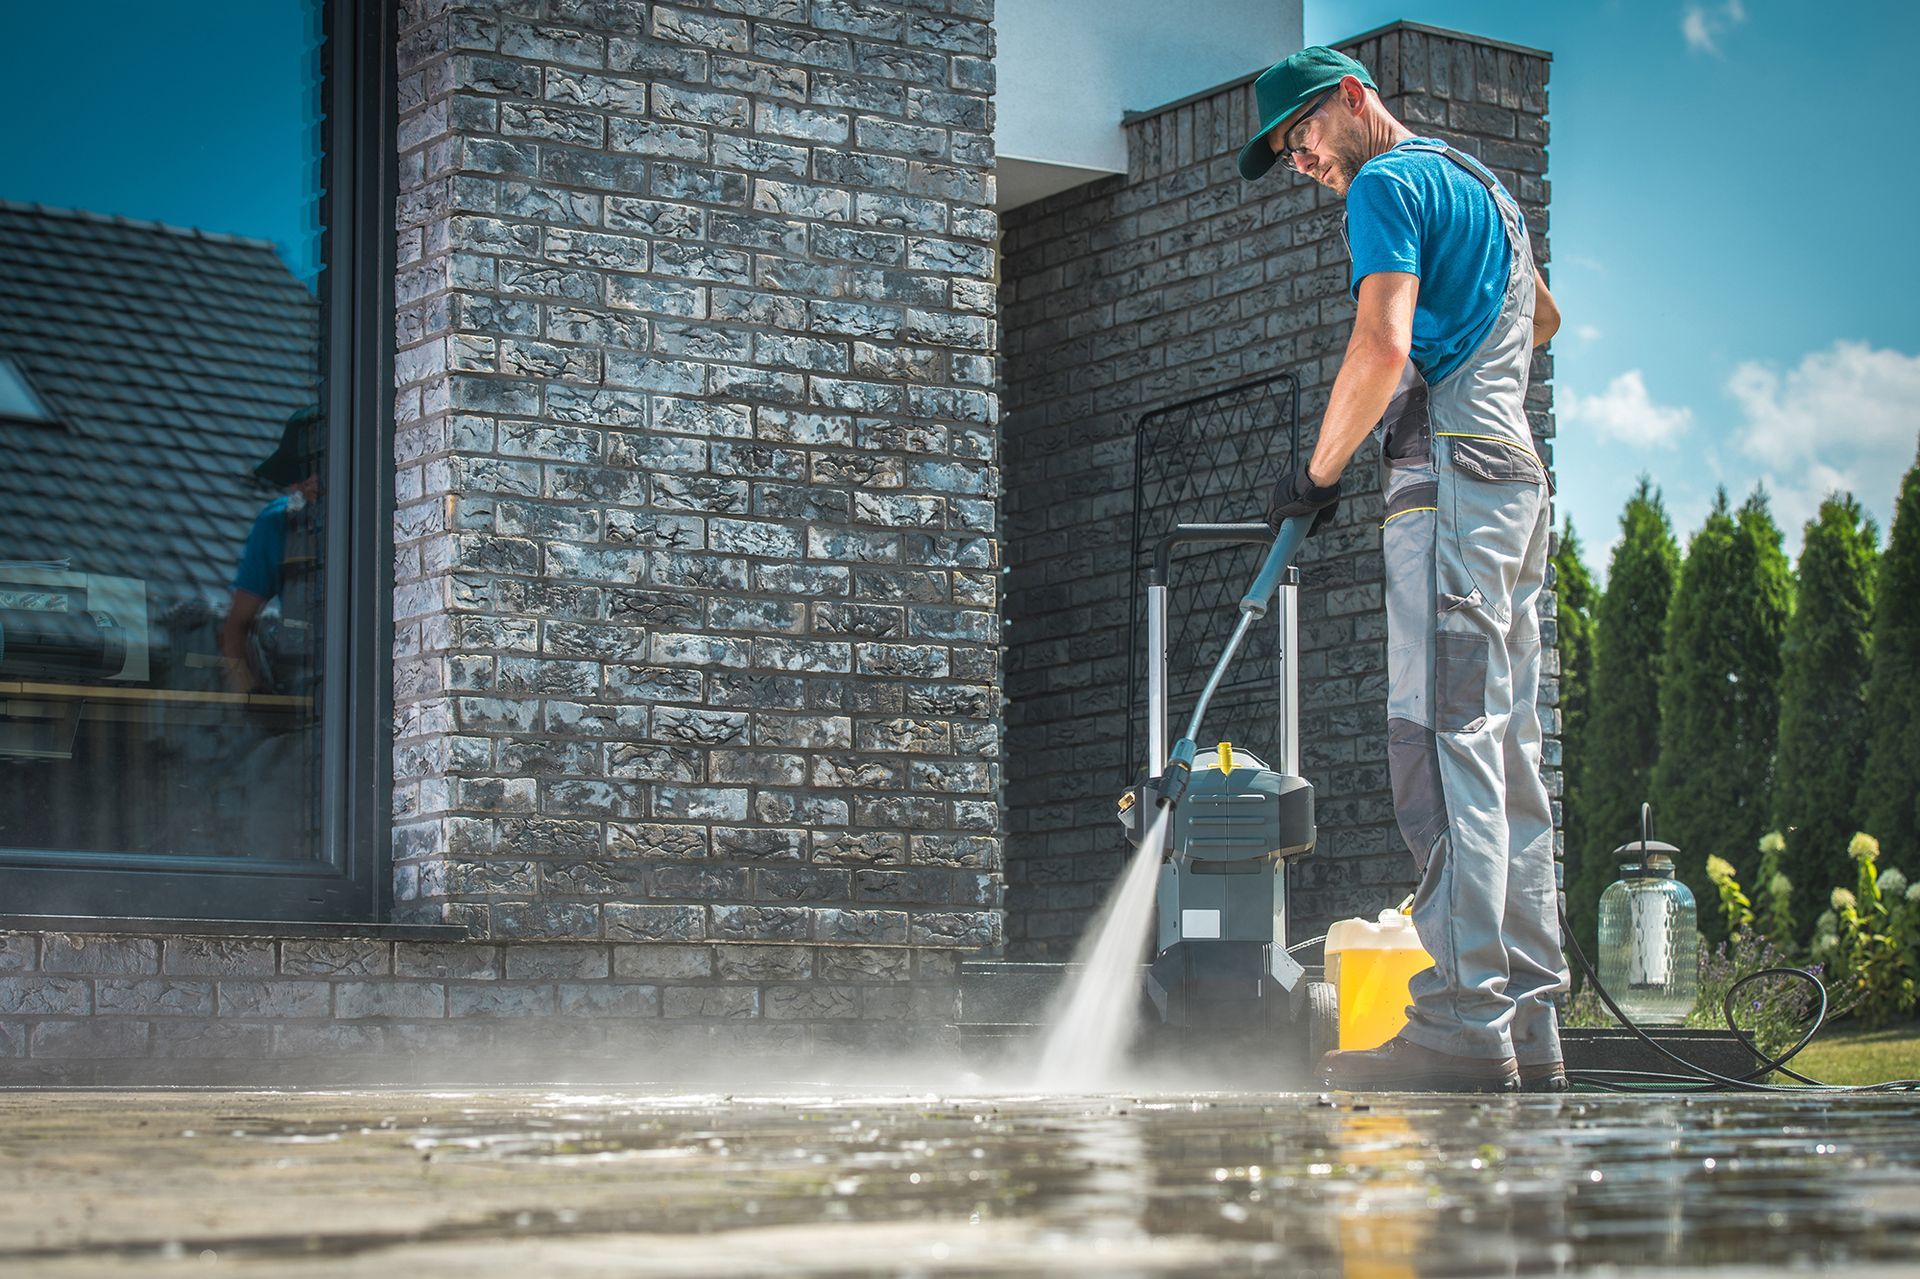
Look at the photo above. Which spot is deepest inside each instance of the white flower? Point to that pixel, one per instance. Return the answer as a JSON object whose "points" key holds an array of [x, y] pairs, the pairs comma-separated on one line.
{"points": [[1843, 899], [1780, 887], [1913, 894], [1892, 882], [1863, 847], [1825, 944], [1773, 842]]}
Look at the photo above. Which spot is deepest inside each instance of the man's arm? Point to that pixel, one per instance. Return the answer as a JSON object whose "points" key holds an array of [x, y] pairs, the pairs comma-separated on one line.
{"points": [[1546, 315], [235, 629], [1376, 354]]}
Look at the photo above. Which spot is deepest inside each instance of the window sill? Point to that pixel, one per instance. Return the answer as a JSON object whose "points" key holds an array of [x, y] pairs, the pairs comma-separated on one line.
{"points": [[229, 928]]}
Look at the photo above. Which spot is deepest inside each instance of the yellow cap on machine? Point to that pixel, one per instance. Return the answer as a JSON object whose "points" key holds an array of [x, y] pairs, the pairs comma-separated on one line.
{"points": [[1225, 750]]}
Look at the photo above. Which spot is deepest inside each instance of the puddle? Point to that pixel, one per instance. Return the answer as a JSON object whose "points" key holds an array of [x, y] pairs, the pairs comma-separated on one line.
{"points": [[604, 1182]]}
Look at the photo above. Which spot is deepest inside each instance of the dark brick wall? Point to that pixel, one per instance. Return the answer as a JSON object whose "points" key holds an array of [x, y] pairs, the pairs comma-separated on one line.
{"points": [[1173, 281], [696, 544]]}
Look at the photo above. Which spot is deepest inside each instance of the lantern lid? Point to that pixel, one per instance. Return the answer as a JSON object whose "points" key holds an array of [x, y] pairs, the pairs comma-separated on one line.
{"points": [[1646, 859]]}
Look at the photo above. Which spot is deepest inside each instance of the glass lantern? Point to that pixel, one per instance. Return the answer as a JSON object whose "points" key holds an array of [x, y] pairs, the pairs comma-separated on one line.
{"points": [[1649, 935]]}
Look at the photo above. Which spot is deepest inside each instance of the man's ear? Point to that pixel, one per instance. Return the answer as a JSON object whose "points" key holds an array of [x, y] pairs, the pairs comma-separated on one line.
{"points": [[1352, 93]]}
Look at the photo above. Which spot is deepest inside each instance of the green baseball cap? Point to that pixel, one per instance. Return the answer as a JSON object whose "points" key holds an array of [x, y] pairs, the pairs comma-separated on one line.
{"points": [[1289, 85]]}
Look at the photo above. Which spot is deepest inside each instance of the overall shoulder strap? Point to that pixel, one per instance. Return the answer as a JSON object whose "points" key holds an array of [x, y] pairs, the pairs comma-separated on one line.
{"points": [[1509, 210]]}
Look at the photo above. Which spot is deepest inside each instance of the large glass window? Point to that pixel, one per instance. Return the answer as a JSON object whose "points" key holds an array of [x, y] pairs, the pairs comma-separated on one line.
{"points": [[176, 415]]}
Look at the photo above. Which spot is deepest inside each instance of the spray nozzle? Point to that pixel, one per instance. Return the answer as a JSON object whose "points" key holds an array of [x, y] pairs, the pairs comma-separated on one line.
{"points": [[1179, 772]]}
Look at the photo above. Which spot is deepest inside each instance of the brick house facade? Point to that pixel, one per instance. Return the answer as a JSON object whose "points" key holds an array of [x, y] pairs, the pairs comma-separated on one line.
{"points": [[698, 555]]}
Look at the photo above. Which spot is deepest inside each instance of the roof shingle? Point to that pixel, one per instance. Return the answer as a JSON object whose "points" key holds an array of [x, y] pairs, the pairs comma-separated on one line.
{"points": [[170, 359]]}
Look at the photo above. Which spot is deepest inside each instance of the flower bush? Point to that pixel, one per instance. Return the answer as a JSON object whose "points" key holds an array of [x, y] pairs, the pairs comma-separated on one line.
{"points": [[1734, 906], [1775, 905], [1869, 940]]}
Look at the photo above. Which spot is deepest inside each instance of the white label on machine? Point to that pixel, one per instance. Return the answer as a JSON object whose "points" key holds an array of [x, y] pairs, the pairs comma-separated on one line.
{"points": [[1286, 969], [1199, 923]]}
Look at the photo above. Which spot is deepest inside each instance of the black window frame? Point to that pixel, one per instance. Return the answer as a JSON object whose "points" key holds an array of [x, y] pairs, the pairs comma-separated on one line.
{"points": [[351, 880]]}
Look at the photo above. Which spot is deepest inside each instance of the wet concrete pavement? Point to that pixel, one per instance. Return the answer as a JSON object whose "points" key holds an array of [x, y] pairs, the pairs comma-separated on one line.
{"points": [[578, 1183]]}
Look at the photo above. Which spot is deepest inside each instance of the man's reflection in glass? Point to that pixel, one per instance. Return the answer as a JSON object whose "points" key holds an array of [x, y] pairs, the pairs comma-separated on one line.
{"points": [[280, 550]]}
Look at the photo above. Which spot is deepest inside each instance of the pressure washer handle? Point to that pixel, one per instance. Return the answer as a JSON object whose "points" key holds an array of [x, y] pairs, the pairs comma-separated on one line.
{"points": [[1285, 545]]}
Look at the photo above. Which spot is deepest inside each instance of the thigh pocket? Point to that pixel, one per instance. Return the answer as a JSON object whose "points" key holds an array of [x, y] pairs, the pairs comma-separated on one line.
{"points": [[1500, 461], [1459, 682]]}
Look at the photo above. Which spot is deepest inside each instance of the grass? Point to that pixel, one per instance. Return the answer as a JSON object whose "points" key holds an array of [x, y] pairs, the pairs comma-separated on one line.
{"points": [[1847, 1056]]}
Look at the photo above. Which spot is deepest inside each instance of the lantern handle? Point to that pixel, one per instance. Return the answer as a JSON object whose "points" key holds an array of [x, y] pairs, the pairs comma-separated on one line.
{"points": [[1646, 827]]}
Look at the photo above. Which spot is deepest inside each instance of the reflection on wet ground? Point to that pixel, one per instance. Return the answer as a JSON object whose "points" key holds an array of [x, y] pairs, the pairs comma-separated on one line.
{"points": [[573, 1183]]}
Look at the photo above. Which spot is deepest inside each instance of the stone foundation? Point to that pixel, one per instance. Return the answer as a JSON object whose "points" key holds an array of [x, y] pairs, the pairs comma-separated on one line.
{"points": [[201, 1008]]}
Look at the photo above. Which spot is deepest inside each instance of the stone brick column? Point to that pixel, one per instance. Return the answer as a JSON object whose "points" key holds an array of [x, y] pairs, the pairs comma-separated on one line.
{"points": [[696, 543], [1177, 280]]}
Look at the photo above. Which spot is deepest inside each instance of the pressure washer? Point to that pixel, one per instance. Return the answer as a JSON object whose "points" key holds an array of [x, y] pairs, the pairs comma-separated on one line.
{"points": [[1233, 824]]}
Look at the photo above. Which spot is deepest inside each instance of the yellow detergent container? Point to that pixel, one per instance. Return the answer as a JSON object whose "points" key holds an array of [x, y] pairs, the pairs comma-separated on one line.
{"points": [[1369, 963]]}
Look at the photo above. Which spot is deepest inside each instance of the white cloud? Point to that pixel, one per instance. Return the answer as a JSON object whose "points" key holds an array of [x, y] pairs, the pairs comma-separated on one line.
{"points": [[1587, 333], [1624, 413], [1844, 419], [1703, 25]]}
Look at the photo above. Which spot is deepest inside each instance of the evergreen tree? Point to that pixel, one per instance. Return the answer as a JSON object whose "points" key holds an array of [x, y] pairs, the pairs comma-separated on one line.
{"points": [[1720, 694], [1620, 737], [1574, 603], [1890, 786], [1825, 663]]}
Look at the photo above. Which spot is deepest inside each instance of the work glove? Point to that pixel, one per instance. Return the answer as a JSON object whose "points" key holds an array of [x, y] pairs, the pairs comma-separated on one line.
{"points": [[1297, 494]]}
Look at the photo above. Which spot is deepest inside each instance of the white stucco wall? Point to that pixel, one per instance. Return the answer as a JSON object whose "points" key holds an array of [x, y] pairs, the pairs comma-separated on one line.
{"points": [[1068, 69]]}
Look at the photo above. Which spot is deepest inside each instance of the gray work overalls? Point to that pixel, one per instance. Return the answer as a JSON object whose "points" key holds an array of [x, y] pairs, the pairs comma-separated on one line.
{"points": [[1465, 539]]}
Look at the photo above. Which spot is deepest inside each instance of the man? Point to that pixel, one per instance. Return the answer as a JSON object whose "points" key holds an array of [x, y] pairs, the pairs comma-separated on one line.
{"points": [[281, 549], [1449, 307]]}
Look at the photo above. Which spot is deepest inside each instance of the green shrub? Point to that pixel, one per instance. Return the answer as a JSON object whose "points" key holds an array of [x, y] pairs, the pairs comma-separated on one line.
{"points": [[1873, 939], [1773, 891], [1735, 909]]}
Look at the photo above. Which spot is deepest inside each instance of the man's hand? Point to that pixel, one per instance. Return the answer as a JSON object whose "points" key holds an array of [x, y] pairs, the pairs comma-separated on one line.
{"points": [[1546, 313], [1297, 494]]}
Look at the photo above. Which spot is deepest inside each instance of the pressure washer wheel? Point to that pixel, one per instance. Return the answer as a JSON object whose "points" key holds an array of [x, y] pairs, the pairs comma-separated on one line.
{"points": [[1323, 1021]]}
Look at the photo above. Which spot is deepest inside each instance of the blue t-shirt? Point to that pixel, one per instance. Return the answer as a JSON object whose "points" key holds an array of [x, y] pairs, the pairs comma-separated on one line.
{"points": [[1419, 212], [266, 549]]}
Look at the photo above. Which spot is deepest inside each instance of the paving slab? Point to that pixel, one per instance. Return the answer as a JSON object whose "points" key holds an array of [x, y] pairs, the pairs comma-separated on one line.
{"points": [[832, 1181]]}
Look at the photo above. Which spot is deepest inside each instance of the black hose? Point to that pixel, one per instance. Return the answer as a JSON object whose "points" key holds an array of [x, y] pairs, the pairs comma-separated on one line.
{"points": [[1697, 1078]]}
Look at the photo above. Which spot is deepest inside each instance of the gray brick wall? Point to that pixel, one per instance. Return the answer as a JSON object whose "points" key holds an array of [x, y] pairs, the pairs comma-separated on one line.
{"points": [[696, 632], [1173, 281]]}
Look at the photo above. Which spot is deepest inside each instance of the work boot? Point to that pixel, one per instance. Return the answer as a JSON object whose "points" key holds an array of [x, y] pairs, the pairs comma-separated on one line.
{"points": [[1400, 1065], [1546, 1076]]}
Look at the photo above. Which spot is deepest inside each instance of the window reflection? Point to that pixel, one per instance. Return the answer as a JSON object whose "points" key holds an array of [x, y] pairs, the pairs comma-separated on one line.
{"points": [[162, 515]]}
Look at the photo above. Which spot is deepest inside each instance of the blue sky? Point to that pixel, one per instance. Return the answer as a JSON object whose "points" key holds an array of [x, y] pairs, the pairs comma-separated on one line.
{"points": [[209, 124], [1733, 211]]}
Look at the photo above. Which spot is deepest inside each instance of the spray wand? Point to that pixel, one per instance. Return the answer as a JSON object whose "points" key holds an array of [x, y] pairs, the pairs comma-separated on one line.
{"points": [[1253, 606]]}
